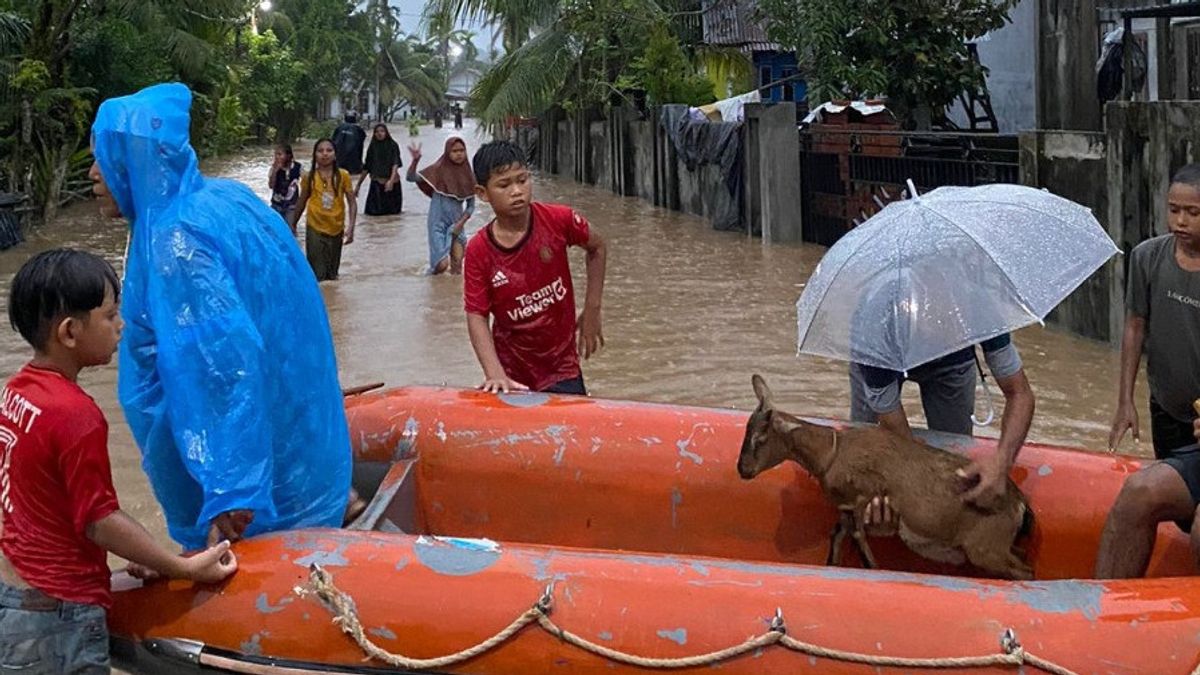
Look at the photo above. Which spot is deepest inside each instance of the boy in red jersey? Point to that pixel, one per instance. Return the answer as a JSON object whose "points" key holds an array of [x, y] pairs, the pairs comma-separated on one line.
{"points": [[58, 510], [517, 273]]}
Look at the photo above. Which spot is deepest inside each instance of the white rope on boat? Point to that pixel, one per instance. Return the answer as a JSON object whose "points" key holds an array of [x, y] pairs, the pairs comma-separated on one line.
{"points": [[345, 615]]}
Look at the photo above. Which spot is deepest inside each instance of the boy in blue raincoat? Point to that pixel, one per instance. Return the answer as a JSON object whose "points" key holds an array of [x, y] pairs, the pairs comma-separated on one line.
{"points": [[227, 371]]}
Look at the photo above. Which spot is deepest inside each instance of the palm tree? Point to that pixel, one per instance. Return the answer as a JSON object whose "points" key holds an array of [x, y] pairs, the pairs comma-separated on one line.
{"points": [[526, 81], [414, 77], [14, 30], [516, 19], [561, 52], [192, 30]]}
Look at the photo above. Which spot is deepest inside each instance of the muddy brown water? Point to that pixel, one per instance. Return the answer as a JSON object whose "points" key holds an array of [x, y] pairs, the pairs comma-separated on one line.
{"points": [[689, 314]]}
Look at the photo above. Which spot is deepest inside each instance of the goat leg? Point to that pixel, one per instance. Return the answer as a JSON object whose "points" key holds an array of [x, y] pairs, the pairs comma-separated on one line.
{"points": [[835, 541], [845, 525], [860, 540]]}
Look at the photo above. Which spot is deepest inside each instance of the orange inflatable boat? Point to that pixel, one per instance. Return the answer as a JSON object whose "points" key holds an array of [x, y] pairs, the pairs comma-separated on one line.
{"points": [[541, 534]]}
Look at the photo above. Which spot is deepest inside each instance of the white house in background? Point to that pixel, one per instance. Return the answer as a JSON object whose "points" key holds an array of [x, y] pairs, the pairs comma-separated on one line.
{"points": [[462, 82], [334, 107]]}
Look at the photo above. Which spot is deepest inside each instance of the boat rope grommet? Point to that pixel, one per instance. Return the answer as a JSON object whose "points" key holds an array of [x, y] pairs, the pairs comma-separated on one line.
{"points": [[1009, 642], [546, 602], [777, 623]]}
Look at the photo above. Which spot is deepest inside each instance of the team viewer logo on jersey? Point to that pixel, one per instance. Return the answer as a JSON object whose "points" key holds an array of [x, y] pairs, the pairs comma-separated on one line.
{"points": [[539, 301]]}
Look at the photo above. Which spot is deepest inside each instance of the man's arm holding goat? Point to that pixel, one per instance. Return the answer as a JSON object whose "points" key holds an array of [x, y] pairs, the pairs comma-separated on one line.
{"points": [[990, 474]]}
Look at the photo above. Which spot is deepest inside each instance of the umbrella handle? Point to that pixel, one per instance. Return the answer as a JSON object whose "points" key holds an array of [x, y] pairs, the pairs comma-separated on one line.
{"points": [[991, 408]]}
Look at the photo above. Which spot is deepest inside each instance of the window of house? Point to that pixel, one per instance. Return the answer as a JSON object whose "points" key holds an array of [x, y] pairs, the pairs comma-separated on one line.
{"points": [[789, 91], [764, 78]]}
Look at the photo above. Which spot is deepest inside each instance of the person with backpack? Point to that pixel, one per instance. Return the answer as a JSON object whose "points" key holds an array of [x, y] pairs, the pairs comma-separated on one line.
{"points": [[348, 141]]}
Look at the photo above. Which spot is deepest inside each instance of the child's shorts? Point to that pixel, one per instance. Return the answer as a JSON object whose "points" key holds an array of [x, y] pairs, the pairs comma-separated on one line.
{"points": [[40, 635]]}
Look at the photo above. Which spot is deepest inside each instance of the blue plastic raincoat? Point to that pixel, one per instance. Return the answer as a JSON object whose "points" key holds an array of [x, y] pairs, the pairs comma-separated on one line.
{"points": [[227, 371]]}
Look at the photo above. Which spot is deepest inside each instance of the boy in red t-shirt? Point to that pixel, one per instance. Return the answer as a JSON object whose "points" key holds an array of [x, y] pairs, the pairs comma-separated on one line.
{"points": [[517, 273], [59, 510]]}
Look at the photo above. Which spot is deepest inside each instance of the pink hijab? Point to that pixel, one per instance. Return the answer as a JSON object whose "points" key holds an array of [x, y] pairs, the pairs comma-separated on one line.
{"points": [[447, 178]]}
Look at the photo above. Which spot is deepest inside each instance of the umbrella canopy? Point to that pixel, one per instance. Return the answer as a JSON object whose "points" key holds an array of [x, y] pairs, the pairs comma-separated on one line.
{"points": [[931, 275]]}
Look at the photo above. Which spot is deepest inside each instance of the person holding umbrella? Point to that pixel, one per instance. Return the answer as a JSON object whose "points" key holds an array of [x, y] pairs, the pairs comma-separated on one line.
{"points": [[948, 398], [911, 292]]}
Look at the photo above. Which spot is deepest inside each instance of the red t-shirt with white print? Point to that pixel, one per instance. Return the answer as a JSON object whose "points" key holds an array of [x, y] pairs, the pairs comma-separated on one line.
{"points": [[55, 480], [527, 290]]}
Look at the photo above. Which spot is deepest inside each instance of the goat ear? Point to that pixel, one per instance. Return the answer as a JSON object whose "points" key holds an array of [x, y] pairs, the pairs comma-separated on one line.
{"points": [[784, 426], [763, 392]]}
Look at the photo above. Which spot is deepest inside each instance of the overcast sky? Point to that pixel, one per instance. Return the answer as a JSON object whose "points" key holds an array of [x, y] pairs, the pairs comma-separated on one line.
{"points": [[410, 19]]}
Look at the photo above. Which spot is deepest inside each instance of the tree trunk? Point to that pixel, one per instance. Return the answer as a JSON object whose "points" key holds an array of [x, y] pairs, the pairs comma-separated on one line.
{"points": [[20, 159], [58, 175]]}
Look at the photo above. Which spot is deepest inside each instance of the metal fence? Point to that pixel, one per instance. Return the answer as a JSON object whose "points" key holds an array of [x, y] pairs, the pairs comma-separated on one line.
{"points": [[847, 175]]}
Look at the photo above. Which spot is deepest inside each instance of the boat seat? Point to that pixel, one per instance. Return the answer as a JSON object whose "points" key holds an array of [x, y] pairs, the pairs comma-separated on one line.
{"points": [[393, 496]]}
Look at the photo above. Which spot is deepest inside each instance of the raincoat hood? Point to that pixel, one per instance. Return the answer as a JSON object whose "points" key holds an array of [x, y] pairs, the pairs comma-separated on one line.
{"points": [[227, 374], [142, 147]]}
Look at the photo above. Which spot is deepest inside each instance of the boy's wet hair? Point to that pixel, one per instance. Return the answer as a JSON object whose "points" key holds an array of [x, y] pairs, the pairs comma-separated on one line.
{"points": [[495, 157], [56, 284], [1188, 175]]}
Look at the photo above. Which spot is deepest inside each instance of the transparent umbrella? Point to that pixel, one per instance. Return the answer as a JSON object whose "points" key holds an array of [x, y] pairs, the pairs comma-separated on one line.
{"points": [[930, 275]]}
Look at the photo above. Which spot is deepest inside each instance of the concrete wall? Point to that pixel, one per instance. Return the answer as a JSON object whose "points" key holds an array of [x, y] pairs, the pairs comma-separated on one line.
{"points": [[1067, 49], [641, 142], [773, 190], [600, 156], [564, 151], [1123, 175], [702, 192], [1074, 165], [632, 156], [1147, 143]]}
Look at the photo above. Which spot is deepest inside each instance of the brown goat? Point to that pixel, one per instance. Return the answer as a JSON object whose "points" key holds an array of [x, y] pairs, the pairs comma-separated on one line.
{"points": [[923, 483]]}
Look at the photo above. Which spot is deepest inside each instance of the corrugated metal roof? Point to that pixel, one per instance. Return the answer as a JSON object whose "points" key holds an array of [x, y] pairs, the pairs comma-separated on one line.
{"points": [[732, 23]]}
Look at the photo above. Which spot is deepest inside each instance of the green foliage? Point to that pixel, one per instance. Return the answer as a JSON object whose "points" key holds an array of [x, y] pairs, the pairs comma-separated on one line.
{"points": [[320, 129], [913, 52], [584, 54], [666, 75], [232, 125], [270, 86], [60, 58], [113, 56], [729, 70], [14, 30]]}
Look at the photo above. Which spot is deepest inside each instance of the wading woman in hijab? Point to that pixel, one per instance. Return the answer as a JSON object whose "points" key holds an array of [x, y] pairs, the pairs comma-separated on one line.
{"points": [[450, 185], [383, 168]]}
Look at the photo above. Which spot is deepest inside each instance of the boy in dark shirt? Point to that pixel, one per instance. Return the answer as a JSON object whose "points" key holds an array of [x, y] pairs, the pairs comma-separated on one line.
{"points": [[1163, 321], [59, 510], [517, 273]]}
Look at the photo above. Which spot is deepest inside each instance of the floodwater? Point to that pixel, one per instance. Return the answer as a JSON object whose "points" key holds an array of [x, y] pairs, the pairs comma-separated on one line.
{"points": [[689, 315]]}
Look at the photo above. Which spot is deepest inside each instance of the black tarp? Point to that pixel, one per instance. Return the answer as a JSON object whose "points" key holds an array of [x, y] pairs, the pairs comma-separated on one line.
{"points": [[700, 142]]}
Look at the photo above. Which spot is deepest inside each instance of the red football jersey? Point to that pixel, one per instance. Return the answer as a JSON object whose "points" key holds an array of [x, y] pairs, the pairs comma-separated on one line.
{"points": [[527, 291]]}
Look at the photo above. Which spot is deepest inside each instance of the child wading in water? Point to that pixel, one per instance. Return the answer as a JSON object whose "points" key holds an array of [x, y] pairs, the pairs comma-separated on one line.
{"points": [[59, 516], [1162, 322], [450, 185], [517, 273], [383, 168], [284, 181], [327, 195]]}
